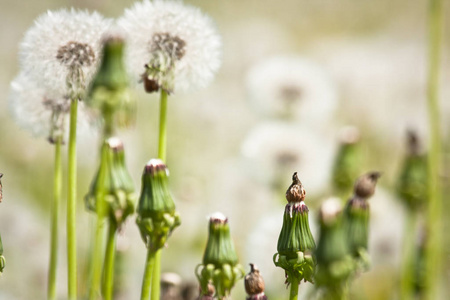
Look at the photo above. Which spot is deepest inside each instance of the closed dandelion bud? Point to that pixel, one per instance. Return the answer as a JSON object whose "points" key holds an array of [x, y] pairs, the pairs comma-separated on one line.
{"points": [[334, 262], [157, 217], [356, 217], [220, 265], [296, 243], [2, 258], [412, 183], [347, 162], [117, 185], [109, 89], [254, 284]]}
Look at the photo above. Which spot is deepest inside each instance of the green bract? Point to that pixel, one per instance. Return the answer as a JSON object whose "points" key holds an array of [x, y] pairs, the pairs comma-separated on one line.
{"points": [[412, 183], [220, 265], [157, 217], [356, 218], [109, 90], [2, 258], [117, 186], [334, 262], [296, 243], [347, 163]]}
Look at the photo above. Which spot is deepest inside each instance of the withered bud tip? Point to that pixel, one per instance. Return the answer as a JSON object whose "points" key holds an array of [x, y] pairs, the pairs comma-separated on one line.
{"points": [[330, 209], [115, 143], [365, 185], [254, 283], [155, 165], [295, 192], [349, 135], [218, 218], [1, 175]]}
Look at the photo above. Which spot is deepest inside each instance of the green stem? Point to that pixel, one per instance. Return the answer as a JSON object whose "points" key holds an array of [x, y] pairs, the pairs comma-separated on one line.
{"points": [[434, 223], [294, 288], [108, 275], [147, 281], [72, 204], [57, 184], [407, 274], [162, 145], [156, 279], [97, 259]]}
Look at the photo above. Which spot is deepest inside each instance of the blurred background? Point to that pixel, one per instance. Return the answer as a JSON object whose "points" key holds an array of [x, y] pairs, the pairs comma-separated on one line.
{"points": [[353, 63]]}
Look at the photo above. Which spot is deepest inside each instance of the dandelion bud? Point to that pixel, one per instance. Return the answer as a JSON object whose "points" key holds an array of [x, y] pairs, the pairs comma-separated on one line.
{"points": [[347, 162], [157, 217], [296, 243], [109, 90], [2, 258], [356, 217], [334, 263], [412, 183], [1, 187], [254, 284], [117, 186], [220, 265]]}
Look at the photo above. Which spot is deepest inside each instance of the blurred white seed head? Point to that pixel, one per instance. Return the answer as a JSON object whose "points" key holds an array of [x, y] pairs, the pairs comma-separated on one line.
{"points": [[275, 150], [61, 51], [177, 43], [292, 87], [44, 113]]}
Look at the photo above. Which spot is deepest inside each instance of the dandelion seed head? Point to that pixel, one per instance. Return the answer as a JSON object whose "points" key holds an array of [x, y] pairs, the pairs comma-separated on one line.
{"points": [[177, 43], [44, 113], [274, 150], [292, 87], [76, 55], [61, 51]]}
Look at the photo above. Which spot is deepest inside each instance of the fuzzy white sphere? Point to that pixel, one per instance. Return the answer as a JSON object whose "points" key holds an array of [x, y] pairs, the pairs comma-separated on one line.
{"points": [[59, 41], [292, 87], [202, 49], [275, 150], [32, 106]]}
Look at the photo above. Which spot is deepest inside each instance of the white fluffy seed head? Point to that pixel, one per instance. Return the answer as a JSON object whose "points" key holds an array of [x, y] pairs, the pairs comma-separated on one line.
{"points": [[34, 108], [63, 46], [274, 150], [189, 38], [292, 87]]}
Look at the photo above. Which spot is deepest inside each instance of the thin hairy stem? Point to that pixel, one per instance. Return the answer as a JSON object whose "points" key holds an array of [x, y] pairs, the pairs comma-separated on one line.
{"points": [[72, 204], [147, 280], [57, 187], [434, 223]]}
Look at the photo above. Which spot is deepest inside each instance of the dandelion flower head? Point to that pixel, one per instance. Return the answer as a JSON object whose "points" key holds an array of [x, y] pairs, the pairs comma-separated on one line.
{"points": [[273, 150], [61, 50], [292, 87], [171, 45], [44, 114]]}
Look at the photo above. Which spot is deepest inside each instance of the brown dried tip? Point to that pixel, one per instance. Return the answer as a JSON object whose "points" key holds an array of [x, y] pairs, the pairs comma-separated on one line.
{"points": [[218, 218], [295, 192], [150, 85], [414, 146], [365, 185], [155, 165], [254, 283]]}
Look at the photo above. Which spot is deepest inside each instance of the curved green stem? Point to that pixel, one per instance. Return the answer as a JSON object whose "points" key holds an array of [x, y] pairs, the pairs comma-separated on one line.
{"points": [[97, 259], [156, 279], [108, 275], [57, 184], [147, 280], [162, 143], [407, 273], [434, 223], [72, 204], [294, 288]]}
